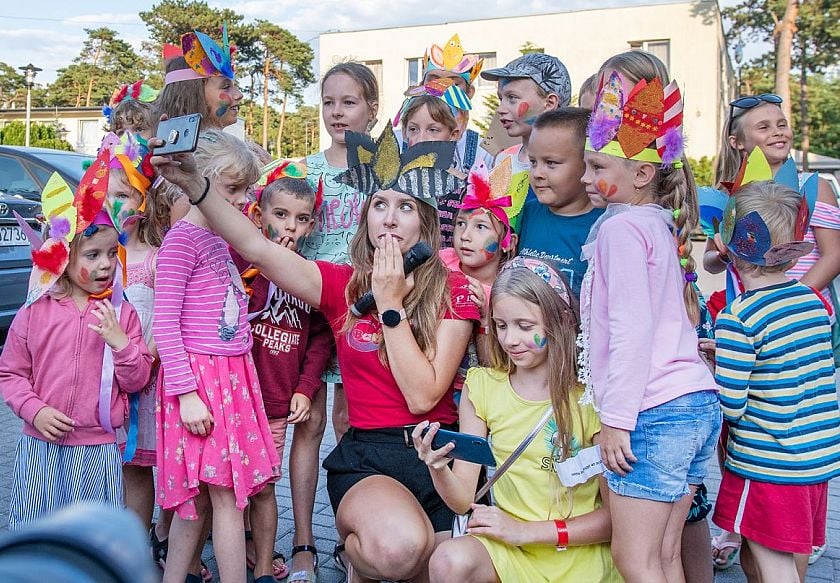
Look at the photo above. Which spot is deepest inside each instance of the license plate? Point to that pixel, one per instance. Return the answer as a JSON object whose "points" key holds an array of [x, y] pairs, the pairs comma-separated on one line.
{"points": [[12, 237]]}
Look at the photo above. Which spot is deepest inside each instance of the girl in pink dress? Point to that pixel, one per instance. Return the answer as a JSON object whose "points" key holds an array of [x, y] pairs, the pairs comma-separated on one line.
{"points": [[214, 443]]}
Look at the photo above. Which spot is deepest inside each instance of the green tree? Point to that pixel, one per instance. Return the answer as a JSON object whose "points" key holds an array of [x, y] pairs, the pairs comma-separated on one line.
{"points": [[12, 87], [703, 170], [286, 70], [40, 136], [105, 62]]}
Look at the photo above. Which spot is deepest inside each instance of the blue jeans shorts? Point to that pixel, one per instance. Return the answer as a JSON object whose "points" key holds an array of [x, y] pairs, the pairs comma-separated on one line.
{"points": [[673, 443]]}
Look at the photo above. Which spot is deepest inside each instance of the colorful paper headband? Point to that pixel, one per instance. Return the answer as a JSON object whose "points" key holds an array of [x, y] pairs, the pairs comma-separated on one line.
{"points": [[421, 171], [544, 271], [488, 191], [646, 126], [67, 215], [287, 169], [444, 89], [205, 57], [130, 152], [137, 91], [452, 58]]}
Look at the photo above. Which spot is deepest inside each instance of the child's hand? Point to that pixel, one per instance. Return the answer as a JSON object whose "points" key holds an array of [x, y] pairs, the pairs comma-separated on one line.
{"points": [[495, 523], [287, 242], [52, 423], [615, 450], [299, 407], [109, 327], [723, 251], [707, 349], [195, 415], [477, 295], [436, 459]]}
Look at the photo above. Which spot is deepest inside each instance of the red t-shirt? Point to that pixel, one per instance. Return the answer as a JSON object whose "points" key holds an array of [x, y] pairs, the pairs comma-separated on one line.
{"points": [[373, 398]]}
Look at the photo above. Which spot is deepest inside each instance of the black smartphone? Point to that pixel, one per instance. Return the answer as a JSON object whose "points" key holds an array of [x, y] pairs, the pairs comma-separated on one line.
{"points": [[469, 448], [179, 134]]}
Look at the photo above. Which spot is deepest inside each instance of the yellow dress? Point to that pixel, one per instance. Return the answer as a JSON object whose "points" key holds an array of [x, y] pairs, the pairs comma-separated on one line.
{"points": [[530, 490]]}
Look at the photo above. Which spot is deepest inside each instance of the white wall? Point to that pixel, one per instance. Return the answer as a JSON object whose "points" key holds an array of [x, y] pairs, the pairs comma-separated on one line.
{"points": [[582, 40]]}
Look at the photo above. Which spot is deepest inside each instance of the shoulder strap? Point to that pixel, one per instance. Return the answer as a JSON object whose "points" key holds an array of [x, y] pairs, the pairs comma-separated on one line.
{"points": [[515, 455]]}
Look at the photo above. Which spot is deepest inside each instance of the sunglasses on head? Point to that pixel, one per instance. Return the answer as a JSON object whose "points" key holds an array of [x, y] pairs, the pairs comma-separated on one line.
{"points": [[748, 102]]}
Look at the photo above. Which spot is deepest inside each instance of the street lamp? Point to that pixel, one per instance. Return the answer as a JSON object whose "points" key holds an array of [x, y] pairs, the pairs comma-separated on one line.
{"points": [[739, 56], [30, 70]]}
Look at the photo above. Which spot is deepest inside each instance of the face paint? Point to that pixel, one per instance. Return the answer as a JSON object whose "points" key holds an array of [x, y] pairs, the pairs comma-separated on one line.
{"points": [[607, 190], [491, 248], [522, 109], [84, 275], [271, 232], [539, 343], [226, 100]]}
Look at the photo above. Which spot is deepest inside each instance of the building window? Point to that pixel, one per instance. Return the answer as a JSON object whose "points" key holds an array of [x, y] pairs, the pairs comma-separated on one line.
{"points": [[415, 71], [658, 48], [89, 136], [489, 63], [376, 67]]}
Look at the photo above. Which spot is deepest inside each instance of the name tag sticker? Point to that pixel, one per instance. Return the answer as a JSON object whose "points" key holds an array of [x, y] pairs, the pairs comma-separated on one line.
{"points": [[577, 470]]}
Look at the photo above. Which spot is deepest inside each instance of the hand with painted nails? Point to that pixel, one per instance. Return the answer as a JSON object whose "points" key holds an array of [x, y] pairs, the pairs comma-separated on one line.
{"points": [[389, 284], [615, 450], [52, 423], [109, 326], [195, 415], [436, 459]]}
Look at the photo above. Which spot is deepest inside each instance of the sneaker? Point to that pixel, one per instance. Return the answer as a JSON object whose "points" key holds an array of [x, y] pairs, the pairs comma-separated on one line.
{"points": [[816, 553]]}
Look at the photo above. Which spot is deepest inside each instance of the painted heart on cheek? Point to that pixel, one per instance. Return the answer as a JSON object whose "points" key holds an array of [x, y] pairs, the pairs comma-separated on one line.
{"points": [[522, 109], [607, 190]]}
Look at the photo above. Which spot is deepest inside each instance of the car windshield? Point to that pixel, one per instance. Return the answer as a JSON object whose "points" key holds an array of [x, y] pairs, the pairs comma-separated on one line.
{"points": [[69, 163]]}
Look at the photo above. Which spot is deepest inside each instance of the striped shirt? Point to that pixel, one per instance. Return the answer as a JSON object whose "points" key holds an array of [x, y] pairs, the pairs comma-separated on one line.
{"points": [[825, 217], [200, 303], [775, 369]]}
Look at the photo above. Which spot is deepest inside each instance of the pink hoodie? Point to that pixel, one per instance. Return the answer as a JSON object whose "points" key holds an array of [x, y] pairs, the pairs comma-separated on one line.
{"points": [[52, 358]]}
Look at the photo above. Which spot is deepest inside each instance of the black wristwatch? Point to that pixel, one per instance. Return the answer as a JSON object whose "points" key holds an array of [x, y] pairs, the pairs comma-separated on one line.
{"points": [[392, 318]]}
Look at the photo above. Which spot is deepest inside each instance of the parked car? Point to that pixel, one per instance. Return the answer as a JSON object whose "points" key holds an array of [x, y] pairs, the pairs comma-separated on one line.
{"points": [[25, 171], [15, 256]]}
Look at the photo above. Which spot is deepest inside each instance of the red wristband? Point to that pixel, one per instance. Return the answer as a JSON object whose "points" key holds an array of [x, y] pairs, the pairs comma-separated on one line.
{"points": [[562, 534]]}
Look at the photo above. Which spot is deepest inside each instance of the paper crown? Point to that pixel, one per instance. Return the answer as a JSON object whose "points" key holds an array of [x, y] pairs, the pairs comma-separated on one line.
{"points": [[204, 56], [452, 58], [421, 171], [748, 237], [130, 153], [287, 169], [137, 91], [444, 89], [645, 125], [488, 191], [67, 215]]}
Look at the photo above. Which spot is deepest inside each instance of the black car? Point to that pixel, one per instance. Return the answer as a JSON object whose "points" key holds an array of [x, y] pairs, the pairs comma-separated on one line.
{"points": [[15, 254], [25, 171]]}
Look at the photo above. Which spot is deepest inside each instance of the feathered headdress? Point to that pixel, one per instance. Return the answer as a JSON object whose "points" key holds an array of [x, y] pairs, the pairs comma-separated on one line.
{"points": [[645, 125], [287, 169], [444, 89], [421, 171], [488, 191], [452, 58], [204, 56], [67, 214]]}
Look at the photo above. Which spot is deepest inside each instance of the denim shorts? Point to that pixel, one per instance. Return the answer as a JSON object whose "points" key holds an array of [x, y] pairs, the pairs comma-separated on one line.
{"points": [[673, 443]]}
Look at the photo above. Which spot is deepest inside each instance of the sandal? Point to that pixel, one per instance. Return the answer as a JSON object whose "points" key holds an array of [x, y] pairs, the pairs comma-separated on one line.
{"points": [[280, 570], [206, 574], [160, 548], [338, 559], [721, 544], [306, 575]]}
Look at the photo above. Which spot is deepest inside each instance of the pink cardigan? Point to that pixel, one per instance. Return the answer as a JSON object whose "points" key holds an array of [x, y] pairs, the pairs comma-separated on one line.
{"points": [[643, 347], [52, 358]]}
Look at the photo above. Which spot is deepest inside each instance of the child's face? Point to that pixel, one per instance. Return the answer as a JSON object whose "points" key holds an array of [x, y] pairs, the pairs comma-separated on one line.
{"points": [[609, 178], [92, 264], [556, 156], [123, 199], [233, 190], [477, 239], [393, 213], [586, 100], [222, 98], [521, 330], [421, 127], [765, 126], [286, 219], [519, 106], [344, 108]]}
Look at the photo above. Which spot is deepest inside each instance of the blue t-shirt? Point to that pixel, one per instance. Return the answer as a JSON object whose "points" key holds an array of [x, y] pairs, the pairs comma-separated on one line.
{"points": [[545, 235]]}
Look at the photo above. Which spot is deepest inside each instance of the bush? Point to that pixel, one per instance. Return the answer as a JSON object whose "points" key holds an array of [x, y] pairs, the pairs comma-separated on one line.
{"points": [[704, 171], [40, 136]]}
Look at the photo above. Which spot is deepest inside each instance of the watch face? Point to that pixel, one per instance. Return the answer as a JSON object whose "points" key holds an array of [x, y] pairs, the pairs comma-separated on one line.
{"points": [[391, 318]]}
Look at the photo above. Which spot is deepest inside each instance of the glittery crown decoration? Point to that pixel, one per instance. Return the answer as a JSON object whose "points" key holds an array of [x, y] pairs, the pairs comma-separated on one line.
{"points": [[421, 171], [451, 58], [645, 125]]}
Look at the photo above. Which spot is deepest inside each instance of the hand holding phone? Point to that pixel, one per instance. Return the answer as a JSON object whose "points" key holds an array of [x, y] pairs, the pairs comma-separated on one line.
{"points": [[468, 448], [179, 134]]}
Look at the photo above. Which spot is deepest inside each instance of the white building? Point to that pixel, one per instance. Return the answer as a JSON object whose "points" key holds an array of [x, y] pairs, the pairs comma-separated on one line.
{"points": [[687, 36]]}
